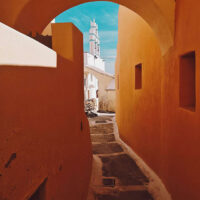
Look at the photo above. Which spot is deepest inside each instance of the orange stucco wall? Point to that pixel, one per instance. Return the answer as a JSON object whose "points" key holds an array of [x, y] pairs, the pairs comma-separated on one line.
{"points": [[139, 111], [44, 126], [67, 41], [181, 127], [40, 108], [150, 120]]}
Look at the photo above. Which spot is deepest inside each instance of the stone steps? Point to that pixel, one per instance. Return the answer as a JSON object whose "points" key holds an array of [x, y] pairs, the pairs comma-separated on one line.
{"points": [[118, 177]]}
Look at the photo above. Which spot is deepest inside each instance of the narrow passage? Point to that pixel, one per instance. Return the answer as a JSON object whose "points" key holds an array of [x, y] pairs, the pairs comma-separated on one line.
{"points": [[115, 175]]}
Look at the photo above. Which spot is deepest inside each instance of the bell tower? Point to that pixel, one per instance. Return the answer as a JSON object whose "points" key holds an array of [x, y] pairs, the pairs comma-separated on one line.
{"points": [[94, 39]]}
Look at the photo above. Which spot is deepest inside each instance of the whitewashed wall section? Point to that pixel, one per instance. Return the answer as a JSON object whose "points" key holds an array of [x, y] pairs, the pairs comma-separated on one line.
{"points": [[19, 49]]}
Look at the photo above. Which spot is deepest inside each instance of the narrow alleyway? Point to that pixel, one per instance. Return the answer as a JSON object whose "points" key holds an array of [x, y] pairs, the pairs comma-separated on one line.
{"points": [[115, 175]]}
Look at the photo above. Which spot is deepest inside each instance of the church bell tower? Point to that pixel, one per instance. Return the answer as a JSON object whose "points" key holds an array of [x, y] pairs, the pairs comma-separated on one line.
{"points": [[94, 39]]}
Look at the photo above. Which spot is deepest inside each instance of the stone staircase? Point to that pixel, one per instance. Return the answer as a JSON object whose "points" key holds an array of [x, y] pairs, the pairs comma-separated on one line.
{"points": [[115, 175]]}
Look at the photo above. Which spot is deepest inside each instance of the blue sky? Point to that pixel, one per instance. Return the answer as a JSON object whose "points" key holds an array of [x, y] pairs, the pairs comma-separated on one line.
{"points": [[106, 16]]}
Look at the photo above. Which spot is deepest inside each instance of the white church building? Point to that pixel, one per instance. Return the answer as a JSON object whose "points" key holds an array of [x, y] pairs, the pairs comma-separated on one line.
{"points": [[96, 80], [93, 58], [99, 86]]}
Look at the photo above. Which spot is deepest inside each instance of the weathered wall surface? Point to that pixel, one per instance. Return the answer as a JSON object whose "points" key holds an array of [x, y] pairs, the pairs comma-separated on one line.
{"points": [[110, 98], [44, 131], [139, 110], [150, 120], [181, 127], [169, 138]]}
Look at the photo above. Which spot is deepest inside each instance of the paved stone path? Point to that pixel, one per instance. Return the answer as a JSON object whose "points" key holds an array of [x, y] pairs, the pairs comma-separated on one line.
{"points": [[115, 175]]}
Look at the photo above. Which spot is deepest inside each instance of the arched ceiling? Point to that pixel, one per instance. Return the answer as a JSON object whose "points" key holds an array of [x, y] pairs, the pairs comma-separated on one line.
{"points": [[33, 15]]}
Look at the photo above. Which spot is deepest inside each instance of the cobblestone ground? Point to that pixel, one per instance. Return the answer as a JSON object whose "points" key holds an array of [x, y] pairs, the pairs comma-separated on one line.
{"points": [[115, 175]]}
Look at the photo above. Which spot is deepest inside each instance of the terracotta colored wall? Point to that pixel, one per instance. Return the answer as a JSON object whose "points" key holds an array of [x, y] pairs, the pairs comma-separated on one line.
{"points": [[66, 41], [169, 141], [139, 111], [181, 127], [150, 120], [47, 30], [46, 40], [41, 116]]}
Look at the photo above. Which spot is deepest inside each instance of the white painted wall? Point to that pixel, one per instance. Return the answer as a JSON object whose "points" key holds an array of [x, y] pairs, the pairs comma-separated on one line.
{"points": [[99, 63], [91, 85], [19, 49], [91, 61]]}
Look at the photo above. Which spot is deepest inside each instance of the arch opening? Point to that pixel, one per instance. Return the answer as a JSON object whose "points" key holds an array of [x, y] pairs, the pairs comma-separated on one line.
{"points": [[160, 16]]}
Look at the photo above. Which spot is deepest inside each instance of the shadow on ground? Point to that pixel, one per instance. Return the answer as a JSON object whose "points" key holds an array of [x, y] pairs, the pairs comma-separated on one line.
{"points": [[116, 175]]}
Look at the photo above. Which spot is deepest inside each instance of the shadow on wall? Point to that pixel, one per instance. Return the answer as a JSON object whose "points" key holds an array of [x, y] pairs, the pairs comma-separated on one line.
{"points": [[157, 104], [40, 138], [46, 40]]}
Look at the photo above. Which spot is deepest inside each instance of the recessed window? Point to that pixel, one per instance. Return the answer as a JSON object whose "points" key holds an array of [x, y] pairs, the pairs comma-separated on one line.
{"points": [[187, 81], [138, 76]]}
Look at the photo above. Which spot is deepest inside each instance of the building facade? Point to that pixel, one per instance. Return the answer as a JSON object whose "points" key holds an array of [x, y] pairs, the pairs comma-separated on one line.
{"points": [[96, 80], [94, 39]]}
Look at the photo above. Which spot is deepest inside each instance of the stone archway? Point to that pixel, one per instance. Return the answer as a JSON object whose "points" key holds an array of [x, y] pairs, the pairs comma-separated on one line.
{"points": [[34, 15]]}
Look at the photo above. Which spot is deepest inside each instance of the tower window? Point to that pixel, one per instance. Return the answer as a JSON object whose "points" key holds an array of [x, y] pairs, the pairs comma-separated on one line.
{"points": [[138, 76], [187, 81]]}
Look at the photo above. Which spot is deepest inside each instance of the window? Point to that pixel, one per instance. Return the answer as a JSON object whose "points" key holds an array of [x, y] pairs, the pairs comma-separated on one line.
{"points": [[187, 74], [138, 76]]}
